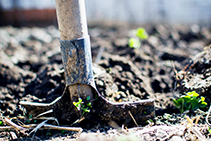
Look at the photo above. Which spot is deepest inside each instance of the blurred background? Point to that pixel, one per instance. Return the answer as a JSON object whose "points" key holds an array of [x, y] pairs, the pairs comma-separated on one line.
{"points": [[110, 12]]}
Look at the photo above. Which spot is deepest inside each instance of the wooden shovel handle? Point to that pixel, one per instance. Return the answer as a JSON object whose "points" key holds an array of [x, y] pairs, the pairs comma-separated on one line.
{"points": [[71, 17]]}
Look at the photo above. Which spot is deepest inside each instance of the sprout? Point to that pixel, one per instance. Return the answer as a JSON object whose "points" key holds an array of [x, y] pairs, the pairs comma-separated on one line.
{"points": [[140, 34], [190, 101]]}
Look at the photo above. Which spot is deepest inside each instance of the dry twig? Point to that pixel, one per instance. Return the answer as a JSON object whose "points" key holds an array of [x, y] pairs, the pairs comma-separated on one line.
{"points": [[133, 118], [9, 122], [44, 113], [41, 124], [48, 126], [3, 128]]}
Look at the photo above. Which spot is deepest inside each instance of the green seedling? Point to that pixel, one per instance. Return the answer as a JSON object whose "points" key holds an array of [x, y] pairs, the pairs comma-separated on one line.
{"points": [[63, 131], [29, 119], [109, 69], [140, 34], [81, 106], [1, 123], [190, 101], [30, 116], [209, 130], [134, 43]]}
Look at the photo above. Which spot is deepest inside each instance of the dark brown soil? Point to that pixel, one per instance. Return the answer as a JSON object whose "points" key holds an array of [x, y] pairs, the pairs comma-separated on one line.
{"points": [[31, 64]]}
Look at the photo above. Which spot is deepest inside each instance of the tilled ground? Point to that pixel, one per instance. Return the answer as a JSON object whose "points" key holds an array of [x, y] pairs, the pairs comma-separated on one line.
{"points": [[31, 64]]}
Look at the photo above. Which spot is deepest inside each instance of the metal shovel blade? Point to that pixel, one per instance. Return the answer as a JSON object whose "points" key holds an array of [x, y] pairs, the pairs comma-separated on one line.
{"points": [[103, 110]]}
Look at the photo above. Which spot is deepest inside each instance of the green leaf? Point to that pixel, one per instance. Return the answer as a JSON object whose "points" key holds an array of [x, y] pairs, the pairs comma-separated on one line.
{"points": [[193, 94], [176, 103], [195, 107], [63, 131], [151, 120], [89, 104], [181, 110], [1, 122], [80, 101], [194, 103], [141, 33], [189, 93], [76, 104], [86, 110], [180, 100], [183, 101], [134, 43], [187, 106], [27, 121], [30, 116], [88, 98], [187, 98], [203, 104], [83, 106], [209, 130], [202, 98]]}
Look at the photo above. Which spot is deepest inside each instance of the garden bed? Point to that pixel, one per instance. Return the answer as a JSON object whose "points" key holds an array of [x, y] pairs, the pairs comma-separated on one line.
{"points": [[162, 69]]}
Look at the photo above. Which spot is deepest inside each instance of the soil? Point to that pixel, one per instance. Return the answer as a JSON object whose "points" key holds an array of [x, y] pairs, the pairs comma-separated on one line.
{"points": [[171, 61]]}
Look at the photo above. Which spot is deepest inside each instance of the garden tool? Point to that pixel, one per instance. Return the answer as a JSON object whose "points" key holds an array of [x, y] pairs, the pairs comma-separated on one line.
{"points": [[77, 62]]}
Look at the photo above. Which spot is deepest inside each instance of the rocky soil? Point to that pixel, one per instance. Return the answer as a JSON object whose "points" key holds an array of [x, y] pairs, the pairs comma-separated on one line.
{"points": [[162, 69]]}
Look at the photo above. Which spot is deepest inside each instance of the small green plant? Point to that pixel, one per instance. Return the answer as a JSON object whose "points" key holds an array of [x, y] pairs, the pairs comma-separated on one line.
{"points": [[109, 69], [134, 43], [28, 120], [140, 34], [209, 130], [190, 101], [1, 123], [81, 106], [63, 131]]}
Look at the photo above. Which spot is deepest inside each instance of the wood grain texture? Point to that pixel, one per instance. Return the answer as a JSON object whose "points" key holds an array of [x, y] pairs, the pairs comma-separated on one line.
{"points": [[71, 18]]}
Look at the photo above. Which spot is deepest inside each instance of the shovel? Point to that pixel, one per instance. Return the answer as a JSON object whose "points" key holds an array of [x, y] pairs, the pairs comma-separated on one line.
{"points": [[77, 62]]}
